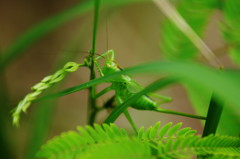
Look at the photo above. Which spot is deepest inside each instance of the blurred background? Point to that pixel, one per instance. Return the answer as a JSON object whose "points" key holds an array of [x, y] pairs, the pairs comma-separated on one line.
{"points": [[133, 31]]}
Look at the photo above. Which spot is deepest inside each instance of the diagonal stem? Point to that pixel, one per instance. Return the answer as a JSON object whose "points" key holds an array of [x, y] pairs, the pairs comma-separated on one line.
{"points": [[182, 25]]}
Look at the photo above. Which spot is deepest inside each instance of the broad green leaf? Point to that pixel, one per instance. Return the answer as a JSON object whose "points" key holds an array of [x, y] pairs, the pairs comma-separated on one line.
{"points": [[199, 97], [229, 123]]}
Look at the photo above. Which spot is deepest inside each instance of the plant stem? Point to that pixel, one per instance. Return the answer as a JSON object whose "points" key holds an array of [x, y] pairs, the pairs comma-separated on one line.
{"points": [[92, 108]]}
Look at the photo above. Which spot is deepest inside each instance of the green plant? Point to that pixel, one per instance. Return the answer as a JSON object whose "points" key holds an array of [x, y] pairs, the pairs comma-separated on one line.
{"points": [[181, 40], [108, 141]]}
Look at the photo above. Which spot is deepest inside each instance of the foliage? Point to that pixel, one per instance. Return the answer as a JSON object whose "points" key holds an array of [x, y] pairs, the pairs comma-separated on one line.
{"points": [[175, 44], [230, 28], [109, 141], [166, 142]]}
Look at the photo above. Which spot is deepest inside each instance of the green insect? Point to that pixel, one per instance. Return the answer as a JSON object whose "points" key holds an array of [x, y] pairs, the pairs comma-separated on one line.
{"points": [[126, 87]]}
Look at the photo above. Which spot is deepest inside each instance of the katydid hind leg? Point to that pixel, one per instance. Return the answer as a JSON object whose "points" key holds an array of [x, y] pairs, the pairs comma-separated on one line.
{"points": [[160, 98], [104, 91], [127, 115]]}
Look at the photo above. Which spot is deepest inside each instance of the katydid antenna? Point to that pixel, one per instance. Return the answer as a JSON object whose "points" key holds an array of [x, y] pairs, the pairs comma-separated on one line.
{"points": [[107, 30]]}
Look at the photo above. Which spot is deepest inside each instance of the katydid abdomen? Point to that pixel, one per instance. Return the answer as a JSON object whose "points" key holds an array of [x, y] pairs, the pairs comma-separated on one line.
{"points": [[124, 92]]}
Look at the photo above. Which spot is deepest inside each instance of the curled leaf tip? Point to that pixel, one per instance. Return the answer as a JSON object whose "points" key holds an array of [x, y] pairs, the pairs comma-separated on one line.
{"points": [[16, 121], [71, 67]]}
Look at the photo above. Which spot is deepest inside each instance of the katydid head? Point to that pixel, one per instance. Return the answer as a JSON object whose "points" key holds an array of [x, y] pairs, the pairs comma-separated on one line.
{"points": [[110, 67], [110, 63]]}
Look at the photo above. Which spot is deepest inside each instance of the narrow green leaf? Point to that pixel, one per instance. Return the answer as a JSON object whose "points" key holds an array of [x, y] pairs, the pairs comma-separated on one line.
{"points": [[140, 132], [190, 132], [154, 131], [86, 135], [164, 130], [174, 129], [185, 72], [213, 116], [183, 131], [146, 134]]}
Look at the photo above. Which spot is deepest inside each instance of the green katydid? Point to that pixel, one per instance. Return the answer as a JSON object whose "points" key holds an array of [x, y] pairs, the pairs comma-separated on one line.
{"points": [[126, 87]]}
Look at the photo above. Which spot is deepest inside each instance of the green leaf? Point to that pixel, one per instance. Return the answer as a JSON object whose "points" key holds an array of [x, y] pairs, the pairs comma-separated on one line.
{"points": [[230, 28], [180, 71], [186, 72], [164, 130], [174, 129], [93, 143], [229, 123], [153, 133], [109, 141]]}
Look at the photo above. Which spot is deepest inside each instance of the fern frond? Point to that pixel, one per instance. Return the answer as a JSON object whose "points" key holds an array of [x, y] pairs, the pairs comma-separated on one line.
{"points": [[174, 44], [124, 149], [106, 141], [230, 29], [109, 141], [212, 146], [166, 132], [171, 141]]}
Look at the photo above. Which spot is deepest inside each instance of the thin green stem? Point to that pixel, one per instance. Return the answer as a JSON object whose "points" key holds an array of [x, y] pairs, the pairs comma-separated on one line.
{"points": [[179, 113], [95, 26], [92, 108]]}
